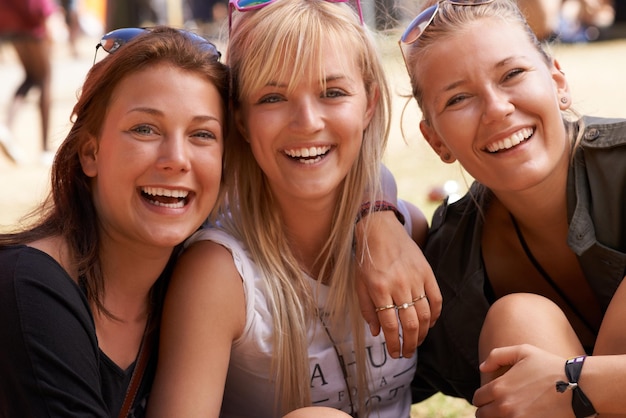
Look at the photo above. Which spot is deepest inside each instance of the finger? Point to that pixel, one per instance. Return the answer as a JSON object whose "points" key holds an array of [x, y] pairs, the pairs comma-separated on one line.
{"points": [[423, 312], [406, 326], [434, 300], [368, 308], [500, 357], [388, 319], [432, 292], [407, 315], [483, 412], [375, 294], [414, 322], [483, 397]]}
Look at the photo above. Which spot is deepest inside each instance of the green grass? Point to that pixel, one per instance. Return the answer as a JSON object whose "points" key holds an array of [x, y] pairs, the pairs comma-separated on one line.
{"points": [[440, 406]]}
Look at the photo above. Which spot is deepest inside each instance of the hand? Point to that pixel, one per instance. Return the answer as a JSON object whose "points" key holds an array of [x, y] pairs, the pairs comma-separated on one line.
{"points": [[524, 386], [392, 271]]}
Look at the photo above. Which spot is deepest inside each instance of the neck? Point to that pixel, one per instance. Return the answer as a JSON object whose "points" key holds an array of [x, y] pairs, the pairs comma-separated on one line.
{"points": [[129, 275], [307, 226], [543, 206]]}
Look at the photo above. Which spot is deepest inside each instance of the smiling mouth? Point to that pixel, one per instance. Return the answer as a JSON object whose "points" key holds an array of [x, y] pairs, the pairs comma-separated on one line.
{"points": [[310, 155], [513, 140], [168, 198]]}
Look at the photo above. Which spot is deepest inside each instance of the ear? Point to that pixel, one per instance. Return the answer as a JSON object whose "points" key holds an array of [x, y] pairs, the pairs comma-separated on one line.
{"points": [[88, 155], [562, 87], [435, 142]]}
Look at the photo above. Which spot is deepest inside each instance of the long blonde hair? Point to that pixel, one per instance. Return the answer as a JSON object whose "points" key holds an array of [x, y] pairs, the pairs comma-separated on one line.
{"points": [[260, 45]]}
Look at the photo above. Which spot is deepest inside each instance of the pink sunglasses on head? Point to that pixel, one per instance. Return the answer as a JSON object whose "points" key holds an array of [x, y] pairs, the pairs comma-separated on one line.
{"points": [[247, 5]]}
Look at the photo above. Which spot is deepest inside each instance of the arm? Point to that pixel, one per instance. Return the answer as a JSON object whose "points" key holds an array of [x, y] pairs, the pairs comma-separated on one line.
{"points": [[204, 313], [393, 270], [528, 383], [528, 387]]}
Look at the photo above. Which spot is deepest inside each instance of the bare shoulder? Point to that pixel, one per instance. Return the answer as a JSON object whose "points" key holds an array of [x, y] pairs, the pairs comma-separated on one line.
{"points": [[203, 257], [204, 270], [205, 281]]}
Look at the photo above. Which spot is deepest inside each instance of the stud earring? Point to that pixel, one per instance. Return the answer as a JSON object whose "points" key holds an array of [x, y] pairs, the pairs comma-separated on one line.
{"points": [[564, 100], [446, 157]]}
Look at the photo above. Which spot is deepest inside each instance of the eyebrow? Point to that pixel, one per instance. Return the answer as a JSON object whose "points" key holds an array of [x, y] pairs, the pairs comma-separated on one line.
{"points": [[157, 112], [499, 64], [332, 77]]}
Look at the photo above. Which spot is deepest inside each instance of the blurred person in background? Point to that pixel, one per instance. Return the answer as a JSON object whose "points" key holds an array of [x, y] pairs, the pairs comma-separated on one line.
{"points": [[24, 25], [70, 11], [206, 15], [568, 20]]}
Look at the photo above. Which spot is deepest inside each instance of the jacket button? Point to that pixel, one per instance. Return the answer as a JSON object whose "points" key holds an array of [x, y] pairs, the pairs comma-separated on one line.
{"points": [[592, 134]]}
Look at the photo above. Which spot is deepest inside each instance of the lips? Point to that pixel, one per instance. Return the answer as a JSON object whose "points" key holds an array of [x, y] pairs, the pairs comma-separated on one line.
{"points": [[511, 141]]}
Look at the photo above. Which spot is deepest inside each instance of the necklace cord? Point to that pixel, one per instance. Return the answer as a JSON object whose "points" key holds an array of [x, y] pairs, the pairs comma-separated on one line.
{"points": [[549, 279]]}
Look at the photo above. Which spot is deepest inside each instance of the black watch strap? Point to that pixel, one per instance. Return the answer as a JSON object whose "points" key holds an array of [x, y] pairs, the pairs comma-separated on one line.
{"points": [[581, 405]]}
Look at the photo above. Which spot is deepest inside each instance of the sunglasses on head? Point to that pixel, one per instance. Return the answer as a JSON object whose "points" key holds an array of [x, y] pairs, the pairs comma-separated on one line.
{"points": [[248, 5], [115, 39], [417, 27]]}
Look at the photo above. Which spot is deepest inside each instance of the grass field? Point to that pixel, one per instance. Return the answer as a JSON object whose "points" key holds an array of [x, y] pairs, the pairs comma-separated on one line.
{"points": [[440, 406]]}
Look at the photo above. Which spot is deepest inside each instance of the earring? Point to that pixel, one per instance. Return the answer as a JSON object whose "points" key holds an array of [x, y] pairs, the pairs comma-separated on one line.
{"points": [[446, 157], [564, 100]]}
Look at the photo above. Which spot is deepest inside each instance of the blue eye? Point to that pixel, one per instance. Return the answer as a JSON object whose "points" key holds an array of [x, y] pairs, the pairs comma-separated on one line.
{"points": [[143, 129], [205, 135], [330, 93], [270, 98]]}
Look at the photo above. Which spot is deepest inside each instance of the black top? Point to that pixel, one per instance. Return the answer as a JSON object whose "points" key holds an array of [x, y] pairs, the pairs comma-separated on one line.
{"points": [[48, 344]]}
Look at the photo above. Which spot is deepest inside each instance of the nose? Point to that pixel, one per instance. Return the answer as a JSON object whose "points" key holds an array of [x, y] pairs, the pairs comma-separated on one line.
{"points": [[307, 116], [497, 106], [174, 153]]}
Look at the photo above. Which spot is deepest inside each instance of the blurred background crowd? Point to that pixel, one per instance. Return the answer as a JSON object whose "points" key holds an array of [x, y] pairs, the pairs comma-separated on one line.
{"points": [[47, 47], [31, 27]]}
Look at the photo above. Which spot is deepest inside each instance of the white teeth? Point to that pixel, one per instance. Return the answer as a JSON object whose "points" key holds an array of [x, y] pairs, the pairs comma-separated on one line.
{"points": [[311, 152], [513, 140], [159, 191], [176, 205], [167, 198]]}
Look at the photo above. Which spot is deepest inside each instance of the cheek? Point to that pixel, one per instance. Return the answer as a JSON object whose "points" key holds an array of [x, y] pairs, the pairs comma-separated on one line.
{"points": [[211, 167], [261, 145], [115, 168]]}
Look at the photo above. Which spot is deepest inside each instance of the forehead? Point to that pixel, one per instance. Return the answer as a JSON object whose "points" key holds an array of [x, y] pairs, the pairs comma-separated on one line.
{"points": [[330, 59], [491, 34], [480, 43]]}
